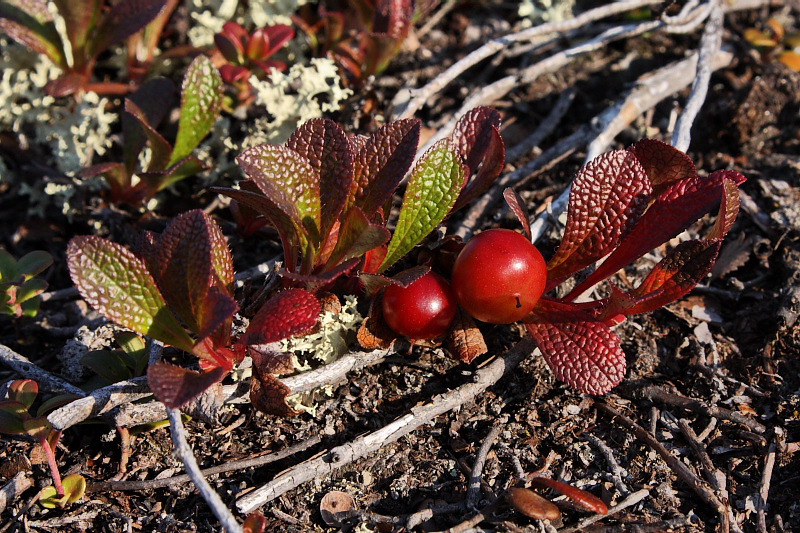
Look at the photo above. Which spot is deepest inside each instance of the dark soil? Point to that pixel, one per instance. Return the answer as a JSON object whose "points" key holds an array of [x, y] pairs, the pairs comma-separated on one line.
{"points": [[733, 343]]}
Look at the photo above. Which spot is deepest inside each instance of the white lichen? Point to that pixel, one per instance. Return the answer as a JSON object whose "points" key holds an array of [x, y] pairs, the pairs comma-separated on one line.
{"points": [[208, 16], [269, 12], [538, 11], [294, 97]]}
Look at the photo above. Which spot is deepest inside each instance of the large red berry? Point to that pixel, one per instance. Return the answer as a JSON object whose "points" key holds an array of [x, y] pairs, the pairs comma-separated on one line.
{"points": [[499, 276], [422, 310]]}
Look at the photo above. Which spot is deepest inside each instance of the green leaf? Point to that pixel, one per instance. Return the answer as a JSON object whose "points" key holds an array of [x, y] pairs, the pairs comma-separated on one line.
{"points": [[34, 263], [201, 102], [107, 364], [117, 283], [9, 271], [432, 190], [12, 416], [134, 351], [74, 489], [31, 289], [23, 391]]}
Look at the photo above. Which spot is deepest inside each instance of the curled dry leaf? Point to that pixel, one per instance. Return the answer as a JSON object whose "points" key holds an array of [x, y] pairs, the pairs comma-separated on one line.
{"points": [[374, 333], [588, 501], [532, 505], [335, 507], [268, 395], [464, 339]]}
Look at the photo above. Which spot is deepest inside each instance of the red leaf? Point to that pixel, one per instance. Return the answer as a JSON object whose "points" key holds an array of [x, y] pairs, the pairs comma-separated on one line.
{"points": [[356, 237], [663, 163], [581, 352], [588, 501], [279, 35], [729, 207], [193, 257], [519, 209], [290, 182], [608, 196], [233, 73], [324, 144], [680, 205], [393, 18], [125, 18], [382, 162], [288, 313], [318, 281], [175, 386]]}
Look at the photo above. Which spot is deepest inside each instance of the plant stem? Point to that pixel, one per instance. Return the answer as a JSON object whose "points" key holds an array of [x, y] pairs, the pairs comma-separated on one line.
{"points": [[51, 461]]}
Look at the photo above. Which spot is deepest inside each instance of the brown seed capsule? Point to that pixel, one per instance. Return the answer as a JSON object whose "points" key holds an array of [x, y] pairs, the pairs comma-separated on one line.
{"points": [[532, 505]]}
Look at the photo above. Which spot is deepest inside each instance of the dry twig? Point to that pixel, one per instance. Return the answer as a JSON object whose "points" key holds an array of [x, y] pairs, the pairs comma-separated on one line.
{"points": [[474, 490], [631, 500], [371, 442], [766, 478], [14, 488], [47, 381]]}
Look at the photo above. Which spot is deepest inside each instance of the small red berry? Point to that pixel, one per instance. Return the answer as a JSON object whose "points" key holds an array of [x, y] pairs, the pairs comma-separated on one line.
{"points": [[422, 310], [499, 276]]}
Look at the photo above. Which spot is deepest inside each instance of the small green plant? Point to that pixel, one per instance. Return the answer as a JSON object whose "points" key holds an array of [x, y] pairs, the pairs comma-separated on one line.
{"points": [[15, 419], [201, 104], [19, 288], [90, 27], [774, 42], [113, 366]]}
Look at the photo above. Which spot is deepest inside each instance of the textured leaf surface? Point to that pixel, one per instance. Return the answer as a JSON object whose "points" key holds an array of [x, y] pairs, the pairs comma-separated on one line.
{"points": [[729, 206], [324, 144], [678, 273], [489, 170], [289, 181], [160, 148], [356, 237], [608, 196], [268, 395], [432, 190], [201, 103], [175, 386], [374, 333], [585, 354], [382, 162], [125, 18], [288, 313], [117, 283], [517, 206], [464, 339], [663, 163], [473, 134], [680, 205]]}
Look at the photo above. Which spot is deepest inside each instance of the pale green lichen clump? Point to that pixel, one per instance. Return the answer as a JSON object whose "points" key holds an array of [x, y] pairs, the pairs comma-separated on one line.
{"points": [[294, 97], [336, 333], [75, 132]]}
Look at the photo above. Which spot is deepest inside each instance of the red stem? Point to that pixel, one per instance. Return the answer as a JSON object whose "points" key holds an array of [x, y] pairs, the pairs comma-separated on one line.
{"points": [[108, 87], [51, 460]]}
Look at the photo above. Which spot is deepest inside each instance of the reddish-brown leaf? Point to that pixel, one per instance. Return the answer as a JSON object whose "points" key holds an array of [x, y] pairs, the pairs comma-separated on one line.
{"points": [[477, 140], [588, 501], [729, 206], [290, 182], [582, 352], [608, 196], [517, 205], [381, 163], [269, 359], [175, 386], [663, 163], [324, 144], [288, 313], [125, 18], [393, 18], [374, 333], [356, 237], [680, 205], [268, 395], [464, 339], [317, 281], [532, 505]]}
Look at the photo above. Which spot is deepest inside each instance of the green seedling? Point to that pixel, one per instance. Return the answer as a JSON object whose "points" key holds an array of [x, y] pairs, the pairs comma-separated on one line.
{"points": [[19, 289]]}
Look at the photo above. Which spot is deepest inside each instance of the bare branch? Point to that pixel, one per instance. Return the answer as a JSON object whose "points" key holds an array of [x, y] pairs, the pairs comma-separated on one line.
{"points": [[22, 366]]}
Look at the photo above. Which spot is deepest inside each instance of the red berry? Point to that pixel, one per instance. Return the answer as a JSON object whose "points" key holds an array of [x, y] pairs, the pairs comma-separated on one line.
{"points": [[499, 276], [423, 310]]}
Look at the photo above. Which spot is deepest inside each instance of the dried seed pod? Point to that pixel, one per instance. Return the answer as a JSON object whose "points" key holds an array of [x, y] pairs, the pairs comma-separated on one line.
{"points": [[584, 499], [532, 505]]}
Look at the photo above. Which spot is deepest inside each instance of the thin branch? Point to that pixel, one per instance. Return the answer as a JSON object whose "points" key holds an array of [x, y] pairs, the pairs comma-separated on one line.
{"points": [[474, 490], [230, 466], [681, 470], [766, 477], [434, 19], [99, 402], [184, 452], [545, 127], [371, 442], [14, 488], [617, 472], [709, 46], [421, 96], [47, 381]]}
